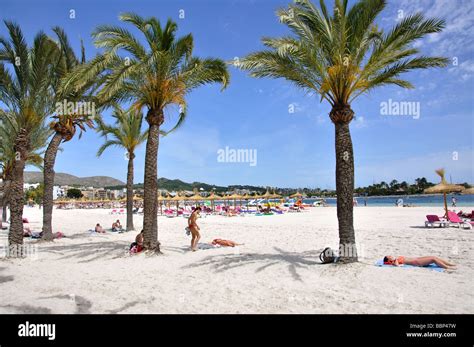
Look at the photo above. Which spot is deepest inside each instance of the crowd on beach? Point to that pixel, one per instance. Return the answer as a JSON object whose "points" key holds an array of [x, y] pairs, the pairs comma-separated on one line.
{"points": [[193, 213]]}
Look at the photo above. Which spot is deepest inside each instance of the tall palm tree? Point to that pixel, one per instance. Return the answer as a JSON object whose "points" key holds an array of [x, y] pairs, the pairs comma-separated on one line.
{"points": [[155, 76], [64, 123], [125, 133], [25, 75], [340, 57]]}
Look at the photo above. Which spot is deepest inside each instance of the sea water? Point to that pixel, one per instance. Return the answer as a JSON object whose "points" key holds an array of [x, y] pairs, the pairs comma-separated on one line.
{"points": [[413, 200]]}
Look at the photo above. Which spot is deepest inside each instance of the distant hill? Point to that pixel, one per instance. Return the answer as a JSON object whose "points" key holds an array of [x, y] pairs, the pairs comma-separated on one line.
{"points": [[71, 180], [112, 183], [177, 185]]}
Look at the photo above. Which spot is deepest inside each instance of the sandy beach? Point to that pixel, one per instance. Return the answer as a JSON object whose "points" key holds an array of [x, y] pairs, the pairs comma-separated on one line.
{"points": [[277, 269]]}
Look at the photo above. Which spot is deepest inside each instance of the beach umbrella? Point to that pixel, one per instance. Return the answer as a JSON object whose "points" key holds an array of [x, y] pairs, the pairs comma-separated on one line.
{"points": [[297, 195], [177, 198], [212, 197], [234, 197], [196, 197], [247, 197], [443, 188], [275, 195], [267, 196], [161, 200]]}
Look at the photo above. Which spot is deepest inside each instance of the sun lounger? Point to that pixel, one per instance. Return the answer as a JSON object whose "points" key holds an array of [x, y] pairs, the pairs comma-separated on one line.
{"points": [[114, 211], [454, 219], [435, 221]]}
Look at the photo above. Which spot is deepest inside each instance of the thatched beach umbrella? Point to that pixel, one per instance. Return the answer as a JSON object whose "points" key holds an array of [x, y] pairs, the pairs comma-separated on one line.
{"points": [[267, 196], [297, 195], [161, 200], [247, 197], [443, 188], [275, 195], [213, 197], [195, 198], [177, 198], [234, 197]]}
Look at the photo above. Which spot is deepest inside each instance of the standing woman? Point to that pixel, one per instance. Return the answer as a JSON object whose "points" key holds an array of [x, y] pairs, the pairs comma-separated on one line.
{"points": [[194, 228]]}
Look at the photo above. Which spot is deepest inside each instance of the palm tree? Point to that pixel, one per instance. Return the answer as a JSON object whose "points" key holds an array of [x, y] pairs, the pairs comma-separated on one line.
{"points": [[340, 57], [156, 77], [25, 75], [127, 134], [65, 121]]}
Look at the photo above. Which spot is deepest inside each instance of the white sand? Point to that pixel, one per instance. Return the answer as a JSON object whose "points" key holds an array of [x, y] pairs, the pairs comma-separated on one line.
{"points": [[276, 271]]}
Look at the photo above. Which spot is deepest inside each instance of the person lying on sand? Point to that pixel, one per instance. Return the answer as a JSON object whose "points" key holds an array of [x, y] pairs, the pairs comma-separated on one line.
{"points": [[225, 243], [116, 226], [99, 229], [418, 261], [27, 232], [231, 213], [194, 228]]}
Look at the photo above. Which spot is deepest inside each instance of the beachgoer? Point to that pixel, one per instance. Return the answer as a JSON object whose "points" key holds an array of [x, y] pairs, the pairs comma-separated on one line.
{"points": [[453, 200], [194, 228], [137, 246], [99, 229], [117, 226], [418, 261], [225, 243]]}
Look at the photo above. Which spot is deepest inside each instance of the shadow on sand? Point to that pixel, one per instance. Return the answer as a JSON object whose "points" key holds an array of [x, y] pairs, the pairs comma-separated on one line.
{"points": [[4, 279], [293, 260], [89, 251]]}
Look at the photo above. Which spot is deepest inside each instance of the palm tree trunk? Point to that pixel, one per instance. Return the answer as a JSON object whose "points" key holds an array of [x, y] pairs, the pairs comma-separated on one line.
{"points": [[341, 117], [150, 200], [48, 179], [131, 156], [15, 236], [6, 197]]}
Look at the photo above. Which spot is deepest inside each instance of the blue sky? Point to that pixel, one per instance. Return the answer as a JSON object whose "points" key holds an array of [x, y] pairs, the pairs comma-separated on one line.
{"points": [[293, 149]]}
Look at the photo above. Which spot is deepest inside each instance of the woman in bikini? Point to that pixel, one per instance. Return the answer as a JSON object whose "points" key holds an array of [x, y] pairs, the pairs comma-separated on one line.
{"points": [[194, 228], [419, 261]]}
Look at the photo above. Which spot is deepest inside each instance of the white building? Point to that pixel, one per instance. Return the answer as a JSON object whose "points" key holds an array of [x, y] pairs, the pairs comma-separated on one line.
{"points": [[58, 192], [27, 186]]}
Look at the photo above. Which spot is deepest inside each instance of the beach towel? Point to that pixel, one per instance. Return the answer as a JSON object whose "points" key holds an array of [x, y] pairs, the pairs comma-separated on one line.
{"points": [[431, 266]]}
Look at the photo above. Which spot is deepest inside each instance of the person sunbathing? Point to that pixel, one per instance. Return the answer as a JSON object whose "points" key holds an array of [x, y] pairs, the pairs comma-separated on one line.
{"points": [[231, 213], [117, 226], [99, 229], [27, 232], [418, 261], [225, 243]]}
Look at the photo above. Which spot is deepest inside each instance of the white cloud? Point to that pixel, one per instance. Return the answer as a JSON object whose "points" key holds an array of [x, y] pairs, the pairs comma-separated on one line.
{"points": [[456, 37]]}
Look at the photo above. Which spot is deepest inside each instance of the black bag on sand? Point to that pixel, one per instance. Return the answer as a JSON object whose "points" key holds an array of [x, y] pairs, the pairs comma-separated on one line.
{"points": [[327, 256]]}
